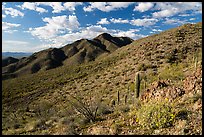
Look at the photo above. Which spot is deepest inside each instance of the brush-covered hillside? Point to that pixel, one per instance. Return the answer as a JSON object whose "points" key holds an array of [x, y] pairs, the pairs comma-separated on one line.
{"points": [[152, 86]]}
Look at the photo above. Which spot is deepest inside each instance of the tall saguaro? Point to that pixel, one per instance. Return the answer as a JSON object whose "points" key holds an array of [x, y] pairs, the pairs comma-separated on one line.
{"points": [[137, 84]]}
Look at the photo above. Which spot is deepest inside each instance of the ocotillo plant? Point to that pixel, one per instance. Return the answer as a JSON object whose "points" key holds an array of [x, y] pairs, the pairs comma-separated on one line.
{"points": [[137, 84]]}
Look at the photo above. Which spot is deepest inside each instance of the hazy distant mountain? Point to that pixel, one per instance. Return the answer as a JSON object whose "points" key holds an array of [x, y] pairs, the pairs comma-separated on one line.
{"points": [[16, 54]]}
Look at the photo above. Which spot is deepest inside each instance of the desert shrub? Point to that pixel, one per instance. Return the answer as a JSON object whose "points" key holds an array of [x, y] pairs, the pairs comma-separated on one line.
{"points": [[144, 67], [43, 110], [155, 115], [182, 114], [89, 111], [104, 109], [173, 72], [124, 108], [171, 58], [194, 98]]}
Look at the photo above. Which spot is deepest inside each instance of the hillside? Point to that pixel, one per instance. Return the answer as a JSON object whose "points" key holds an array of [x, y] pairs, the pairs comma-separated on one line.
{"points": [[78, 52], [64, 100]]}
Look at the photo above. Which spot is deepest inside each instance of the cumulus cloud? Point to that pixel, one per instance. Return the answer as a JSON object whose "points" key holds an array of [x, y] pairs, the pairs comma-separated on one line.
{"points": [[143, 6], [184, 15], [71, 6], [106, 6], [91, 32], [87, 33], [156, 30], [8, 27], [144, 22], [168, 9], [11, 11], [174, 21], [129, 33], [119, 20], [55, 26], [103, 21], [10, 31], [56, 6], [61, 40], [3, 16], [32, 6], [59, 6], [192, 19]]}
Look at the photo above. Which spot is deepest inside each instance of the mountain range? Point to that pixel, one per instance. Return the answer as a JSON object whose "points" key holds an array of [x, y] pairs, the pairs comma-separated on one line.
{"points": [[15, 54], [80, 51]]}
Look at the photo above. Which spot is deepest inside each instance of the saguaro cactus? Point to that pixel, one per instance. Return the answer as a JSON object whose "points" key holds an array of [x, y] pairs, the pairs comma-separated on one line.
{"points": [[137, 84], [118, 97], [196, 60], [125, 99]]}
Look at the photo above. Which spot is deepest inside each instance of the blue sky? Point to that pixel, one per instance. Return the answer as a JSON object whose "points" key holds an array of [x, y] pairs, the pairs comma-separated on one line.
{"points": [[34, 26]]}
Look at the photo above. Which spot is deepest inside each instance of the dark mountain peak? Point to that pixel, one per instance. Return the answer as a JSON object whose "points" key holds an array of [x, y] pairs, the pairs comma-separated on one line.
{"points": [[9, 60], [104, 35]]}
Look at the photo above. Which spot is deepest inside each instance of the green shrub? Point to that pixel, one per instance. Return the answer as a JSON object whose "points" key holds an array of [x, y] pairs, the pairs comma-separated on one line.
{"points": [[104, 109], [173, 72], [155, 115]]}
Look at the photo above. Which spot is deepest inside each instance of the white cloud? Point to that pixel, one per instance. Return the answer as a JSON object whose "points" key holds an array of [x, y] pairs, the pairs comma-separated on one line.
{"points": [[11, 11], [55, 26], [165, 13], [129, 33], [174, 21], [59, 6], [184, 15], [71, 5], [103, 21], [168, 9], [119, 20], [144, 22], [7, 27], [10, 31], [144, 6], [156, 30], [192, 19], [13, 42], [56, 6], [106, 6], [16, 46], [3, 16], [32, 6], [88, 32]]}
